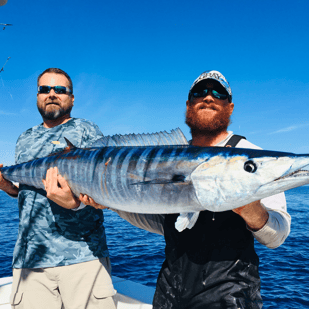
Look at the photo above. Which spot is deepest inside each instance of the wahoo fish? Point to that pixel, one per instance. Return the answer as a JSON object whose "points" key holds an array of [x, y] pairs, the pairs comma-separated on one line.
{"points": [[122, 173]]}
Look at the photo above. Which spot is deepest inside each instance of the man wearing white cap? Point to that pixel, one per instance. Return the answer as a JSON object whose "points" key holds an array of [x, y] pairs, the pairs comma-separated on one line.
{"points": [[214, 264]]}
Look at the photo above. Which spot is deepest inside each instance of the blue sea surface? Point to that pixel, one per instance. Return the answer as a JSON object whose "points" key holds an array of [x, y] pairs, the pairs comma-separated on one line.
{"points": [[137, 255]]}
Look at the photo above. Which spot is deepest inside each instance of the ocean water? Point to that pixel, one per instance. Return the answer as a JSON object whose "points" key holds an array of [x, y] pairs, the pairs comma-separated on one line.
{"points": [[137, 255]]}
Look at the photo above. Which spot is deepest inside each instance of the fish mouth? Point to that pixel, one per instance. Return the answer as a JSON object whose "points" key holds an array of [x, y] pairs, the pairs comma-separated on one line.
{"points": [[296, 175], [300, 173]]}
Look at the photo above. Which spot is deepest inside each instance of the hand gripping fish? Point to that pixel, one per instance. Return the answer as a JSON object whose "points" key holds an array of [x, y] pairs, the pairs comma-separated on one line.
{"points": [[168, 179]]}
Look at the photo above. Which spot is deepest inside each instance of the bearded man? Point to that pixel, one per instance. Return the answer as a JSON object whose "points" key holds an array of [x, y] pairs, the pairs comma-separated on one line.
{"points": [[214, 264], [60, 258]]}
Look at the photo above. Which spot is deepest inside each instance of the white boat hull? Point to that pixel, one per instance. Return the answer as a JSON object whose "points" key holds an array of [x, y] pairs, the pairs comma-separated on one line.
{"points": [[130, 295]]}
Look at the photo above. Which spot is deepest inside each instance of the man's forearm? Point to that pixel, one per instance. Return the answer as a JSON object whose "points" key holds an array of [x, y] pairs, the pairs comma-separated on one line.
{"points": [[277, 228], [150, 222], [9, 188], [254, 214]]}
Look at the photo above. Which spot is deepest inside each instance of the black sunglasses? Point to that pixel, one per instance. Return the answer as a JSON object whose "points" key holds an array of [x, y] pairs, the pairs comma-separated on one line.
{"points": [[57, 89], [204, 93]]}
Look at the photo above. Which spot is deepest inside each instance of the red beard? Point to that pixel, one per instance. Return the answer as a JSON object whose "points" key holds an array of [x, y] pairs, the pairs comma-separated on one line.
{"points": [[211, 125]]}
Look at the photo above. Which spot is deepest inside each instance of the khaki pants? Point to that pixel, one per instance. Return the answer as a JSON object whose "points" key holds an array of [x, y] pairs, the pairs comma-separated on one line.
{"points": [[80, 286]]}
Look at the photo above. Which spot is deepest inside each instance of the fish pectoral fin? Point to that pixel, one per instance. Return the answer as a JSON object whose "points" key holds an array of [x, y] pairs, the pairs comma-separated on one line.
{"points": [[175, 179]]}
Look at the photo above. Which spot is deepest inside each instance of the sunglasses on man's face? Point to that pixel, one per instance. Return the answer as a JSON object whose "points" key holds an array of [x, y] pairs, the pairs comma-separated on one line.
{"points": [[57, 89], [205, 92]]}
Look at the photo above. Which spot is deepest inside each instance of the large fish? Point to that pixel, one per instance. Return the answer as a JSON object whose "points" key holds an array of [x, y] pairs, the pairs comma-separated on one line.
{"points": [[168, 179]]}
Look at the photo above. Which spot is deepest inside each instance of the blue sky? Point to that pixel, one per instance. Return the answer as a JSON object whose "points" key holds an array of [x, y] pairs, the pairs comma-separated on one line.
{"points": [[133, 62]]}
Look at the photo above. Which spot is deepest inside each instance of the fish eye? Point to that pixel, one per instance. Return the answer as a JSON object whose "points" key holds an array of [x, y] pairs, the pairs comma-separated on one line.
{"points": [[250, 167], [178, 178]]}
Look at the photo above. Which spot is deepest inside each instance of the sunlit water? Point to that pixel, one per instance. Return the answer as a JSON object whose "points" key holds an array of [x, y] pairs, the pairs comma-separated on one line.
{"points": [[137, 255]]}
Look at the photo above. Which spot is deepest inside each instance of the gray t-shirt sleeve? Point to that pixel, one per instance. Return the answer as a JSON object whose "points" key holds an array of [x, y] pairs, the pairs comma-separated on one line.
{"points": [[150, 222]]}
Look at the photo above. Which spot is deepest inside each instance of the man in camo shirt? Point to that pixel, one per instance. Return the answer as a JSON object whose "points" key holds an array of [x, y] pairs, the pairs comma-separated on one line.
{"points": [[60, 257]]}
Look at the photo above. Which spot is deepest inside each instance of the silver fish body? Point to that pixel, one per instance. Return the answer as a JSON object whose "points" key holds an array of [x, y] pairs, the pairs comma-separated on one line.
{"points": [[169, 179]]}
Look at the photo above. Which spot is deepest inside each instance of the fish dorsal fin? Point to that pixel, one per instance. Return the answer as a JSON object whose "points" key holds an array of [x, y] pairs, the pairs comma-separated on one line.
{"points": [[175, 137], [67, 149], [69, 146]]}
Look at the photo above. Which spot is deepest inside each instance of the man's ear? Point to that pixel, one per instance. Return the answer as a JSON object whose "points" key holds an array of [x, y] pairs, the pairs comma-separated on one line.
{"points": [[231, 106]]}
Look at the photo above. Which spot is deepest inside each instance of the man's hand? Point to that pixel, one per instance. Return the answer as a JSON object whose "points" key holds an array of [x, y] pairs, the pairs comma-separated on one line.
{"points": [[7, 186], [58, 190], [255, 215], [85, 199]]}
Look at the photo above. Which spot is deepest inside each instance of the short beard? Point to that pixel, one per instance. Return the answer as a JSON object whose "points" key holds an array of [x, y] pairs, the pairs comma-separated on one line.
{"points": [[199, 126], [55, 114]]}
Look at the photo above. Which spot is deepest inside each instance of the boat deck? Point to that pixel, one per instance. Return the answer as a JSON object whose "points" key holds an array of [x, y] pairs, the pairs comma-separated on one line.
{"points": [[130, 295]]}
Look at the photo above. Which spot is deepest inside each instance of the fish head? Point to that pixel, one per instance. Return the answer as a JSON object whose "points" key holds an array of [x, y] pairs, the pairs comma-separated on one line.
{"points": [[228, 181]]}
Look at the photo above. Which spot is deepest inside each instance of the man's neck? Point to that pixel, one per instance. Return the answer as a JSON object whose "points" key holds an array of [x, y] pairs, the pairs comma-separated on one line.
{"points": [[56, 122], [207, 140]]}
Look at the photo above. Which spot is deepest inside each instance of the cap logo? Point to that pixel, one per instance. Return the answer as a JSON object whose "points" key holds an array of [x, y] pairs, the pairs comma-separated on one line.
{"points": [[215, 75]]}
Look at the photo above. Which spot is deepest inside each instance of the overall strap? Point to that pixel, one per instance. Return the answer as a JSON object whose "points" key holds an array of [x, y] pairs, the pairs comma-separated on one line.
{"points": [[234, 140]]}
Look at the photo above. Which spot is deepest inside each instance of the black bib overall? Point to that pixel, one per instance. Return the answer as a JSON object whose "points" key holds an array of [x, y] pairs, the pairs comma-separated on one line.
{"points": [[211, 266]]}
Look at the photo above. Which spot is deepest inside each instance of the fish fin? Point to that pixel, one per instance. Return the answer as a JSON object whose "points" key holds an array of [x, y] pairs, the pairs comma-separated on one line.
{"points": [[186, 220], [70, 146], [67, 149], [153, 182], [175, 137], [175, 179]]}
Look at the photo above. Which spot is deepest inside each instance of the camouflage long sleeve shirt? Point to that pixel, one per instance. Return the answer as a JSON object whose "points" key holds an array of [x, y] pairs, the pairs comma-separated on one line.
{"points": [[48, 234]]}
